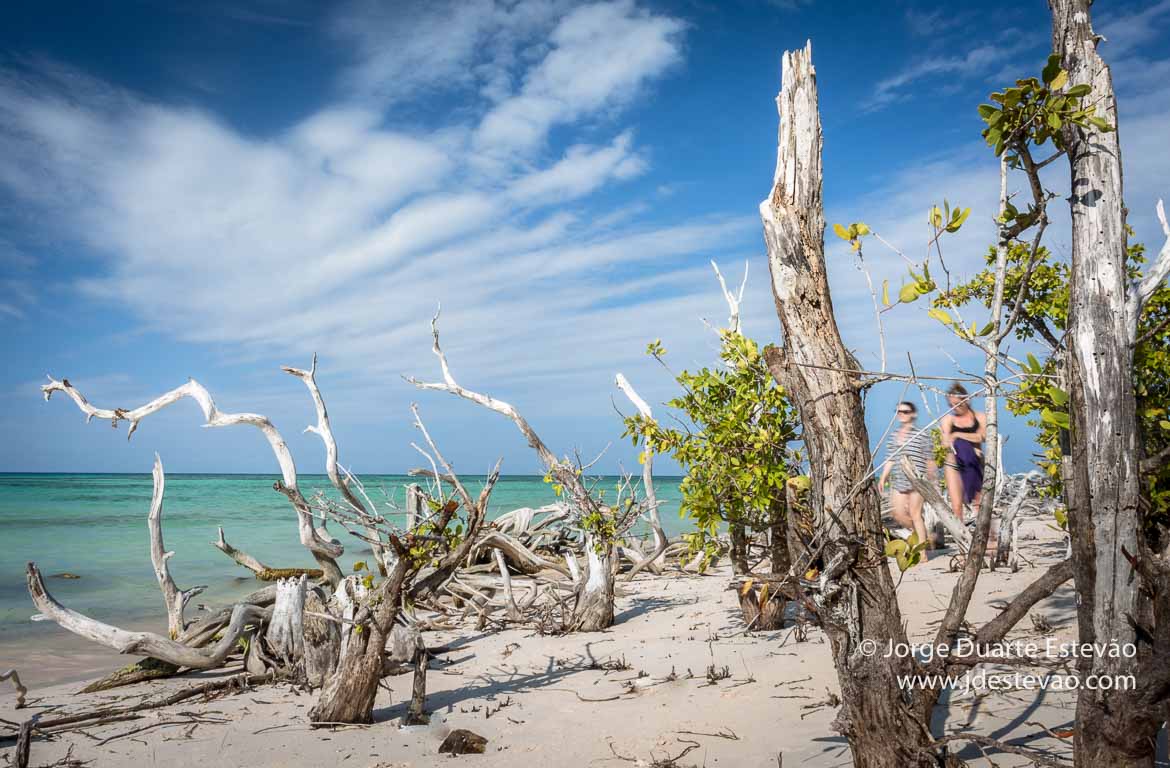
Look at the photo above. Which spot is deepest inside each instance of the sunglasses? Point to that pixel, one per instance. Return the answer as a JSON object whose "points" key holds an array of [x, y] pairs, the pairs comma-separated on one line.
{"points": [[905, 412]]}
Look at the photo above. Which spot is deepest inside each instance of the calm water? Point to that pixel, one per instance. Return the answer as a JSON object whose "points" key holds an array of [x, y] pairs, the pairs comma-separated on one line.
{"points": [[95, 526]]}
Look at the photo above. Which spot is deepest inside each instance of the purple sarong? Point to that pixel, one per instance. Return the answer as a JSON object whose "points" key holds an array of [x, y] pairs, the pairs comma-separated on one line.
{"points": [[970, 468]]}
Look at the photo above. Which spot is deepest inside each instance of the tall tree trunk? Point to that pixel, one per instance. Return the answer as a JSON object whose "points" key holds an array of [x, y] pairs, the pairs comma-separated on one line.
{"points": [[739, 547], [884, 725], [1114, 727], [778, 537]]}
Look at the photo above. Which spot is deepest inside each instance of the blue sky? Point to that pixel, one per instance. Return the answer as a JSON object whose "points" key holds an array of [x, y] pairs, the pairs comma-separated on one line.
{"points": [[213, 190]]}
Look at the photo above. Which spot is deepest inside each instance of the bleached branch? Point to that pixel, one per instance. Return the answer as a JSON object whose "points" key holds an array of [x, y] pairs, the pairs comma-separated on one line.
{"points": [[1141, 291], [734, 300], [145, 643], [643, 407], [176, 599], [324, 431], [323, 550]]}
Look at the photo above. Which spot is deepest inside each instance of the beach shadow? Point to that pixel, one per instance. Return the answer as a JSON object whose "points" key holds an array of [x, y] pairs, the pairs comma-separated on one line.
{"points": [[503, 681], [639, 606]]}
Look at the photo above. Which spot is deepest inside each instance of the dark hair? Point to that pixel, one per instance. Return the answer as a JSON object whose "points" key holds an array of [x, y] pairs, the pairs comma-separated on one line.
{"points": [[913, 408], [957, 389]]}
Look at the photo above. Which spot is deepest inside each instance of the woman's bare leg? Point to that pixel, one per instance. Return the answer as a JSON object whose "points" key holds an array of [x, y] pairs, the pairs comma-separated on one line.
{"points": [[916, 502], [955, 491], [900, 509]]}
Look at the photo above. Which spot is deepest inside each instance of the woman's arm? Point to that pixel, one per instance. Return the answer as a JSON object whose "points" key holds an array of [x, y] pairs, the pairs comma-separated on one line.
{"points": [[886, 466]]}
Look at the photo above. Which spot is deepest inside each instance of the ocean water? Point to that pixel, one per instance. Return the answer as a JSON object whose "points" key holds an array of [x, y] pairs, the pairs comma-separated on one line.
{"points": [[94, 526]]}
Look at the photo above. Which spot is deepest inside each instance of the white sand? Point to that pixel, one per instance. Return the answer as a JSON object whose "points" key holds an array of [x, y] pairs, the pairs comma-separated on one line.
{"points": [[665, 625]]}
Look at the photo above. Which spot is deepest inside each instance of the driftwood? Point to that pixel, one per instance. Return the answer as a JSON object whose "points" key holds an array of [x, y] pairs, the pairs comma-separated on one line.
{"points": [[593, 608], [286, 629], [656, 560], [523, 559], [175, 599], [322, 641], [262, 571], [147, 643], [21, 691], [324, 551]]}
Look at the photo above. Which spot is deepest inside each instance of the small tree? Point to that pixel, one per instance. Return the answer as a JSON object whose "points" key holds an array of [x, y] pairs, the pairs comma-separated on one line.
{"points": [[734, 445]]}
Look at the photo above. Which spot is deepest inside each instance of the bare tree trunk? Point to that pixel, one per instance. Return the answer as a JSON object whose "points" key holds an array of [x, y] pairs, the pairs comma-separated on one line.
{"points": [[778, 537], [884, 724], [739, 548], [348, 696], [594, 609], [1114, 727]]}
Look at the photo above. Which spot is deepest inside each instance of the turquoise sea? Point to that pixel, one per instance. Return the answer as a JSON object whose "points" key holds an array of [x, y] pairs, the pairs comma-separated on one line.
{"points": [[94, 526]]}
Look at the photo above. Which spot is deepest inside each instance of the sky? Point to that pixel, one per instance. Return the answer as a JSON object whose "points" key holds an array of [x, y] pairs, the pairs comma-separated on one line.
{"points": [[215, 189]]}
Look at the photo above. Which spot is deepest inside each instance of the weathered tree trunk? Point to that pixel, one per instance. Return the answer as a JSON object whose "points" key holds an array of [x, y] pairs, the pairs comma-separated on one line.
{"points": [[286, 629], [739, 548], [778, 537], [1114, 727], [884, 725], [322, 641], [593, 611], [348, 696]]}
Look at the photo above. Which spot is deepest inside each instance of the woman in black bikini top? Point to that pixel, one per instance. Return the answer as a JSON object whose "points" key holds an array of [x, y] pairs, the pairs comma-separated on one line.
{"points": [[964, 479]]}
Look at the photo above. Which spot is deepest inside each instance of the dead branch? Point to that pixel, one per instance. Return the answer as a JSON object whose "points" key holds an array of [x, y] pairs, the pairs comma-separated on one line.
{"points": [[325, 551], [146, 643], [21, 691], [324, 431], [175, 599]]}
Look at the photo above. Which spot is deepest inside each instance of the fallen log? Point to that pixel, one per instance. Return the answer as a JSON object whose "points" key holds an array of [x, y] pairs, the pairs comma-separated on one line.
{"points": [[147, 643]]}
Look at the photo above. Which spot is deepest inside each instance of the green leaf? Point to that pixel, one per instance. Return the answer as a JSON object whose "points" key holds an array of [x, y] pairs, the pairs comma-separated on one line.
{"points": [[986, 111], [1034, 363], [1058, 395], [1079, 90], [862, 228], [1059, 81], [359, 565], [908, 293], [987, 329], [1054, 121], [886, 292], [1056, 418], [841, 232], [1164, 424], [1051, 69], [940, 315], [1100, 124], [958, 219]]}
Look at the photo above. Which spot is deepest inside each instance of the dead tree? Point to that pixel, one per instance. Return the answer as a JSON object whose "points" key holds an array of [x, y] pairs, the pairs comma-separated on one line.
{"points": [[601, 524], [1122, 581], [856, 597]]}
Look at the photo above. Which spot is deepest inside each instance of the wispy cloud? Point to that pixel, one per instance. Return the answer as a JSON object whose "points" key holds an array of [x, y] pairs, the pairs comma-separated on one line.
{"points": [[978, 61], [343, 232]]}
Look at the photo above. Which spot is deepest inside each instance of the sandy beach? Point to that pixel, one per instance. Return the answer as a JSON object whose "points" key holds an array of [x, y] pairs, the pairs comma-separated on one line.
{"points": [[636, 693]]}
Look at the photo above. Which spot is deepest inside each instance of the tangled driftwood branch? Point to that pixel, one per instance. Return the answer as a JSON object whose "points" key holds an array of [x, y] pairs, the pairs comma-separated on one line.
{"points": [[325, 551]]}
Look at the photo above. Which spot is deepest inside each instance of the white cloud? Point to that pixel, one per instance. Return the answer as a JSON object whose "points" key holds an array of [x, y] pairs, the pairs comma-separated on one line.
{"points": [[582, 170], [343, 232], [601, 56]]}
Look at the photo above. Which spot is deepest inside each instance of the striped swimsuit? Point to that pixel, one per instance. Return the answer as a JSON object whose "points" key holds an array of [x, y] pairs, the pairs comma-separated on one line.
{"points": [[916, 447]]}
